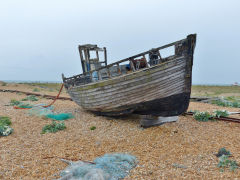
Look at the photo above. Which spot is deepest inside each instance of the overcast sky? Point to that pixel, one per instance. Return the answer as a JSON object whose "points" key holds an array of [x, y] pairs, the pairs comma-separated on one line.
{"points": [[39, 39]]}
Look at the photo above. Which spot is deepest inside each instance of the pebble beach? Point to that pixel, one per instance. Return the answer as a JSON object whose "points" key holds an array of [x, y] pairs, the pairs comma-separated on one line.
{"points": [[180, 150]]}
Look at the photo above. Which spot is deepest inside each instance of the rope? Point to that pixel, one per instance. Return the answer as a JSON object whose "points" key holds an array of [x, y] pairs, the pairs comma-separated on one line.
{"points": [[16, 107], [55, 97]]}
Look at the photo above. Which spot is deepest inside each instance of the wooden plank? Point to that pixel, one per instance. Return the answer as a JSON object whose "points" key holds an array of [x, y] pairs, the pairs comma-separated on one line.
{"points": [[144, 57], [151, 89], [132, 85], [97, 55], [99, 75], [173, 89], [105, 56], [126, 92], [119, 70], [136, 98], [168, 80], [82, 60], [160, 57], [132, 66], [138, 75]]}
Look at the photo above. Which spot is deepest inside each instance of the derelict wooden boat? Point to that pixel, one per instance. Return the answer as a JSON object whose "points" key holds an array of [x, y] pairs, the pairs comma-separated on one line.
{"points": [[146, 83]]}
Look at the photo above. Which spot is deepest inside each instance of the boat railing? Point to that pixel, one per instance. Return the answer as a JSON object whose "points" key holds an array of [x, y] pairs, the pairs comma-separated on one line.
{"points": [[130, 59], [132, 62]]}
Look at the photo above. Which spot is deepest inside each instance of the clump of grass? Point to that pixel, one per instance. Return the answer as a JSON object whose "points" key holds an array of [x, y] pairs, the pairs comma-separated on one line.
{"points": [[5, 121], [225, 162], [200, 90], [93, 128], [236, 104], [20, 104], [14, 102], [203, 116], [221, 113], [4, 84], [5, 128], [223, 151], [54, 127], [230, 98], [36, 90], [226, 103], [51, 90], [30, 98], [206, 116]]}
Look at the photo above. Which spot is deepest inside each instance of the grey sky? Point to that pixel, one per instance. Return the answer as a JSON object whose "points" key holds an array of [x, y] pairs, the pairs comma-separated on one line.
{"points": [[38, 39]]}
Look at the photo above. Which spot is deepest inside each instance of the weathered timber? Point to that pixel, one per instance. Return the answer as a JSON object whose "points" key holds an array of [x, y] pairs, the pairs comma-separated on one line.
{"points": [[160, 89]]}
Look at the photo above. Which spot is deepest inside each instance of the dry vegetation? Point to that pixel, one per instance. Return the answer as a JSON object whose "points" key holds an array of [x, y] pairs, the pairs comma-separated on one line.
{"points": [[216, 91], [182, 150]]}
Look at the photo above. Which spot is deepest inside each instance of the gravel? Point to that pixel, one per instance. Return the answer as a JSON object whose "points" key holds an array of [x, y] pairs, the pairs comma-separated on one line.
{"points": [[181, 150]]}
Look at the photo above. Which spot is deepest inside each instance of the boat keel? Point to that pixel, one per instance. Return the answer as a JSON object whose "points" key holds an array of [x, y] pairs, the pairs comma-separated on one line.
{"points": [[147, 121]]}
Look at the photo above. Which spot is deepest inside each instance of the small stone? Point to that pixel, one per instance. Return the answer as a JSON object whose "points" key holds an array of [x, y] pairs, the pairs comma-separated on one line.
{"points": [[98, 143], [179, 166]]}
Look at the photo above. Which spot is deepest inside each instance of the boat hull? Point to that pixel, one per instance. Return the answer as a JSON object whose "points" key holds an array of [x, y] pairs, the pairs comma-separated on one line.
{"points": [[162, 90]]}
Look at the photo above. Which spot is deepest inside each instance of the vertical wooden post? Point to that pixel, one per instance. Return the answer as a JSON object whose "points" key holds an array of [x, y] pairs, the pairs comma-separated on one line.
{"points": [[119, 70], [81, 58], [63, 78], [105, 55], [108, 71], [88, 53], [159, 55], [91, 76], [145, 61], [87, 59], [99, 75], [132, 65], [97, 55]]}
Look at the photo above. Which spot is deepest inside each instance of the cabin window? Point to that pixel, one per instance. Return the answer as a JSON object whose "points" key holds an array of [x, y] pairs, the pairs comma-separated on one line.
{"points": [[166, 52], [93, 54], [101, 55]]}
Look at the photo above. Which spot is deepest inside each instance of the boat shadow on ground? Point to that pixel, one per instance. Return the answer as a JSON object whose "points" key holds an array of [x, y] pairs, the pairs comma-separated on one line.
{"points": [[128, 118], [141, 120]]}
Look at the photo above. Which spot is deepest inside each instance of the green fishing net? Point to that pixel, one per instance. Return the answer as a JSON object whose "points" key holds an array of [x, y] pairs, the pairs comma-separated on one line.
{"points": [[39, 110], [60, 117], [27, 106]]}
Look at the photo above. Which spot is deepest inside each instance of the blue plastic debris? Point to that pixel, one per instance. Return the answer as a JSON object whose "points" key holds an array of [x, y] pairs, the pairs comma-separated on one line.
{"points": [[108, 167]]}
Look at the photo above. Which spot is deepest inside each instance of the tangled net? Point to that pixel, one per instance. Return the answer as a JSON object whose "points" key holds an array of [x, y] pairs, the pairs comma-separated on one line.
{"points": [[108, 167]]}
